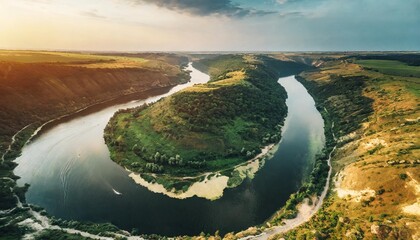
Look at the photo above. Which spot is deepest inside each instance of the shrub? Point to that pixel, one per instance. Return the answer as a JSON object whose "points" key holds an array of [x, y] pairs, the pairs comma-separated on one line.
{"points": [[403, 176]]}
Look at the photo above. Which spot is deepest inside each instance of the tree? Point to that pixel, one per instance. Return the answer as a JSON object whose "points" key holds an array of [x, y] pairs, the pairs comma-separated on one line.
{"points": [[157, 156], [164, 158], [248, 153]]}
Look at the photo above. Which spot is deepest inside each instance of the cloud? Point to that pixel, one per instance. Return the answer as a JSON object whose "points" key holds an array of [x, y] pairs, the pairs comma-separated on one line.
{"points": [[293, 14], [92, 13], [206, 7], [306, 3]]}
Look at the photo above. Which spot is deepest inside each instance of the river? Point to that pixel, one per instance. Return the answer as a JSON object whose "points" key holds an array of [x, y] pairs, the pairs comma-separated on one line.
{"points": [[72, 176]]}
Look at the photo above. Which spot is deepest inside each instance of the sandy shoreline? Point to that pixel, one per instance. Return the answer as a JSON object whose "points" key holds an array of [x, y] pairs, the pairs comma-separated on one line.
{"points": [[212, 186]]}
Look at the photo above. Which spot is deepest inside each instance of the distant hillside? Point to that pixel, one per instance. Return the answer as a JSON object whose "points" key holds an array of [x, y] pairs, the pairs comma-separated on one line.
{"points": [[38, 86], [410, 59]]}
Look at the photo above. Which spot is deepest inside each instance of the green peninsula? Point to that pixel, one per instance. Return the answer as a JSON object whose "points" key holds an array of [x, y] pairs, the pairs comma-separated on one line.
{"points": [[205, 128]]}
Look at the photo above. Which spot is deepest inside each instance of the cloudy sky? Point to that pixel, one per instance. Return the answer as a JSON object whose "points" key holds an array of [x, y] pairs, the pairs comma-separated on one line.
{"points": [[210, 25]]}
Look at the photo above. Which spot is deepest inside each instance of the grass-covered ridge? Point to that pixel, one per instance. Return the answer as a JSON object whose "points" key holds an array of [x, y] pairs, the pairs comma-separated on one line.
{"points": [[390, 67], [375, 112], [208, 127]]}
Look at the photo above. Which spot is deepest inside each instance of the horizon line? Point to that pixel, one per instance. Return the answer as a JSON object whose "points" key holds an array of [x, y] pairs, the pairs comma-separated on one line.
{"points": [[209, 51]]}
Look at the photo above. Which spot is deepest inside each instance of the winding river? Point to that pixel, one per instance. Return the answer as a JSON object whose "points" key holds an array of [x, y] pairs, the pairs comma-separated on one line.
{"points": [[72, 176]]}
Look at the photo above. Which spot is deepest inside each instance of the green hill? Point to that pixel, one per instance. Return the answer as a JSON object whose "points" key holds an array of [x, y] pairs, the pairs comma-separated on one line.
{"points": [[207, 127]]}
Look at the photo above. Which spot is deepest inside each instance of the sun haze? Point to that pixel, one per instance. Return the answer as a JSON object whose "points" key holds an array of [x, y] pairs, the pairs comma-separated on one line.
{"points": [[231, 25]]}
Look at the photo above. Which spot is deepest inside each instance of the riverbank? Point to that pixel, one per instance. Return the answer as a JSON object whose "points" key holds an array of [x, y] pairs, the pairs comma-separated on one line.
{"points": [[307, 201], [305, 204], [305, 209], [210, 185]]}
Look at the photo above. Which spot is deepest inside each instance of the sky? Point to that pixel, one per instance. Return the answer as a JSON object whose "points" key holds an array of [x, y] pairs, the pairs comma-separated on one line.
{"points": [[210, 25]]}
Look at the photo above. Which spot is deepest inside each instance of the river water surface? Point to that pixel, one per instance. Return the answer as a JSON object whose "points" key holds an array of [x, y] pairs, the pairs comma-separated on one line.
{"points": [[72, 176]]}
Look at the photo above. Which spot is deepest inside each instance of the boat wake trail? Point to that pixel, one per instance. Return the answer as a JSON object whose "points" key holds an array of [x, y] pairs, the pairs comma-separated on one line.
{"points": [[116, 192], [64, 176]]}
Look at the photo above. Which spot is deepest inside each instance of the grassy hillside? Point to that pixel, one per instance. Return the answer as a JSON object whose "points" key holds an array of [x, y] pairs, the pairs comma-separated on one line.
{"points": [[206, 127], [376, 188], [38, 86]]}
